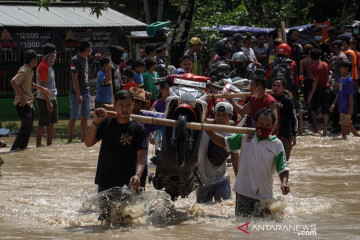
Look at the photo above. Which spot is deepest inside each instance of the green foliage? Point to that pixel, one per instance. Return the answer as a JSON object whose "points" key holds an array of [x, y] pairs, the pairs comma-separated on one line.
{"points": [[97, 6], [12, 126]]}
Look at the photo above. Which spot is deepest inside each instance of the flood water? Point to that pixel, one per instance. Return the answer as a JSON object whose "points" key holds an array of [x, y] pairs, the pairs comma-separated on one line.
{"points": [[41, 190]]}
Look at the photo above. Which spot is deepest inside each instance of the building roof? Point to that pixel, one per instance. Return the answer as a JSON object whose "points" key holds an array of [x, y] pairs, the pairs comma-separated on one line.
{"points": [[64, 16]]}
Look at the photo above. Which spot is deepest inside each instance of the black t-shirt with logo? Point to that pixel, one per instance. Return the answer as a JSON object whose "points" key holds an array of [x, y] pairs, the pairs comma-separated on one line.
{"points": [[80, 66], [118, 151]]}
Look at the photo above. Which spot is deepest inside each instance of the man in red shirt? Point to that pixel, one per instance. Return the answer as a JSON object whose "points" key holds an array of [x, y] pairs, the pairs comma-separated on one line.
{"points": [[259, 100], [320, 91]]}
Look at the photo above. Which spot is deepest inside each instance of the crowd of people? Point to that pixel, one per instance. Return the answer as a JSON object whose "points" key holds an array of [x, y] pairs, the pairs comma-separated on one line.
{"points": [[321, 75]]}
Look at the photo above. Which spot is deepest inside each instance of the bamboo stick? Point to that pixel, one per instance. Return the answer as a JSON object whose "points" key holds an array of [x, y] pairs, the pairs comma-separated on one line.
{"points": [[233, 95], [189, 125]]}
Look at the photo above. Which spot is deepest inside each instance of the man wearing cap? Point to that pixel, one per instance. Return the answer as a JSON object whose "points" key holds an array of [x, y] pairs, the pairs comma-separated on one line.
{"points": [[160, 54], [215, 182], [237, 44], [24, 100], [194, 46]]}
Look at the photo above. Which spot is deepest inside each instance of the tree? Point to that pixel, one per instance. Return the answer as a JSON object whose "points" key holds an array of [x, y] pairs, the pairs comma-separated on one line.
{"points": [[181, 32]]}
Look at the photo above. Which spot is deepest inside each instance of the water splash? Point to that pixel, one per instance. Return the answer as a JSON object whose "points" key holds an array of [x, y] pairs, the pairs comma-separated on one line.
{"points": [[121, 206]]}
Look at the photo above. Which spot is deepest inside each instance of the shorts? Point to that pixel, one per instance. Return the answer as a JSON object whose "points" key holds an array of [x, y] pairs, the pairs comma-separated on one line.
{"points": [[218, 191], [82, 110], [321, 99], [46, 117], [287, 146], [245, 205], [345, 119]]}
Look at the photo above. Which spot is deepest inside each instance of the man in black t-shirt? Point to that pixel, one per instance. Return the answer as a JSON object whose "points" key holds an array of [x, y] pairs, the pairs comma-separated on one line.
{"points": [[79, 90], [123, 147], [288, 123]]}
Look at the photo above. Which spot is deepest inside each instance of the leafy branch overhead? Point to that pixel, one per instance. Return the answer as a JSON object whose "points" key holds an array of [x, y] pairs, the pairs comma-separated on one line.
{"points": [[96, 6]]}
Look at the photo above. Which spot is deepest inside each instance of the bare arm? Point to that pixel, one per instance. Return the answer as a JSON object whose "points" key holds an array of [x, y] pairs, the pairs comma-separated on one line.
{"points": [[75, 81], [217, 138], [273, 107], [90, 137], [49, 105], [235, 162], [284, 177], [313, 89], [108, 73], [140, 166], [351, 109], [334, 103], [237, 108]]}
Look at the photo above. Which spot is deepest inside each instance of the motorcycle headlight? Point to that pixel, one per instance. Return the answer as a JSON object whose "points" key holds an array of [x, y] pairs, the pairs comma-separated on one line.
{"points": [[187, 97]]}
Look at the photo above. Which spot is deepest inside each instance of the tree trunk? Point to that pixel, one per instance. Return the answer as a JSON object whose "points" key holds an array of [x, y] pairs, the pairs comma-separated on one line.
{"points": [[181, 32], [147, 11], [160, 10]]}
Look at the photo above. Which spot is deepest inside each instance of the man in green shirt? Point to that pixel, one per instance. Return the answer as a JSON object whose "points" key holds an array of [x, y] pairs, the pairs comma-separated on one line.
{"points": [[149, 78]]}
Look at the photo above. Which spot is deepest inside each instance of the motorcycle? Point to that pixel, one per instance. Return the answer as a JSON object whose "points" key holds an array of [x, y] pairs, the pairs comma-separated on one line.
{"points": [[177, 161]]}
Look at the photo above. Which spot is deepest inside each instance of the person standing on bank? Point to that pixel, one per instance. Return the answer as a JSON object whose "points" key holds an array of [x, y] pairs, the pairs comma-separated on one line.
{"points": [[48, 111], [79, 90], [24, 100], [123, 147]]}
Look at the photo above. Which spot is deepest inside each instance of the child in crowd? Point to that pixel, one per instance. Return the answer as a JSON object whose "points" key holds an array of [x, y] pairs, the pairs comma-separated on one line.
{"points": [[104, 94], [345, 100], [138, 74], [149, 79]]}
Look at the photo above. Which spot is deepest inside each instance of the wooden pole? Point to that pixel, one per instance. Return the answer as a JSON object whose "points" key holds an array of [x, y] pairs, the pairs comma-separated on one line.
{"points": [[233, 95], [283, 31], [189, 125]]}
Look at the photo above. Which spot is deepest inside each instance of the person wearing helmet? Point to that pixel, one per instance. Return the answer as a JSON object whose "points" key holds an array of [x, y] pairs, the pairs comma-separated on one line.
{"points": [[222, 52], [285, 67], [240, 63], [248, 42], [237, 43]]}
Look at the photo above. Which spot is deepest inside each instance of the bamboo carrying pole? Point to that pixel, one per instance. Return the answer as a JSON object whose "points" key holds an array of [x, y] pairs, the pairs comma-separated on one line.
{"points": [[189, 125], [233, 95]]}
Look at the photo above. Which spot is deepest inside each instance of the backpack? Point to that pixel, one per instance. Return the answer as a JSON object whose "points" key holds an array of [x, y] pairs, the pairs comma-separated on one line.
{"points": [[216, 155], [282, 68]]}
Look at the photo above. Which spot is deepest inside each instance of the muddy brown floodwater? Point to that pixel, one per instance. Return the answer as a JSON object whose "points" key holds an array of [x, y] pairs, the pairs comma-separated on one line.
{"points": [[41, 189]]}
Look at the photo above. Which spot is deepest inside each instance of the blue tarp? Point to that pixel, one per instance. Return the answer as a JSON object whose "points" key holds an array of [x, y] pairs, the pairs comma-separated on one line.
{"points": [[306, 31]]}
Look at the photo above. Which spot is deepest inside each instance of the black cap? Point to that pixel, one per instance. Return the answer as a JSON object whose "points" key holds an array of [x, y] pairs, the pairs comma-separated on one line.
{"points": [[237, 37], [344, 37], [336, 43], [30, 55]]}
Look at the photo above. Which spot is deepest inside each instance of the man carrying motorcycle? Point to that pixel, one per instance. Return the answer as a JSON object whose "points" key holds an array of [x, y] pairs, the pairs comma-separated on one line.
{"points": [[215, 182]]}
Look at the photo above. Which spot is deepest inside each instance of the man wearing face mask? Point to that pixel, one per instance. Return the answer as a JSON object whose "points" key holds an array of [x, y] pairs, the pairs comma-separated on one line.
{"points": [[259, 100], [48, 111], [318, 43], [261, 154]]}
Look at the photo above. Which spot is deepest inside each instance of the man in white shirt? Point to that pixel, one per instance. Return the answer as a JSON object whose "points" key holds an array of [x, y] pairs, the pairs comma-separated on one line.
{"points": [[248, 42], [214, 179], [261, 155]]}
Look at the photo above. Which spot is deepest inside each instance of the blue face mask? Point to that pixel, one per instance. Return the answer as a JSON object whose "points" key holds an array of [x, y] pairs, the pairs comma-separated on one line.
{"points": [[348, 34], [125, 55], [318, 38], [356, 31]]}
